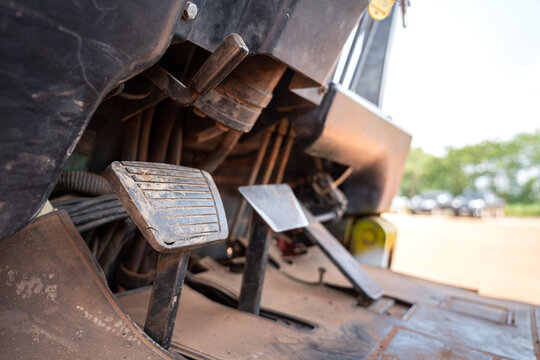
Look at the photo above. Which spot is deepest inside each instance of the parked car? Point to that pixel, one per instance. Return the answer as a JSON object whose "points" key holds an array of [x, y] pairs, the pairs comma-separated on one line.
{"points": [[431, 201], [400, 204], [478, 204]]}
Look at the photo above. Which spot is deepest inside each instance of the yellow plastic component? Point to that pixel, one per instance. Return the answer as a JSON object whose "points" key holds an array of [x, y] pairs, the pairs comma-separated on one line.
{"points": [[380, 9], [371, 232]]}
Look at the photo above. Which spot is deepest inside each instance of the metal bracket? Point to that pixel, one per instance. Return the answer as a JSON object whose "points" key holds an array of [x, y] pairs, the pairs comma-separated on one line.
{"points": [[216, 68]]}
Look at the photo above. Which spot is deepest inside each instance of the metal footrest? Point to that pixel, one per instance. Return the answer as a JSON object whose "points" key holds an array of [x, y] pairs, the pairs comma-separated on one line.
{"points": [[176, 208]]}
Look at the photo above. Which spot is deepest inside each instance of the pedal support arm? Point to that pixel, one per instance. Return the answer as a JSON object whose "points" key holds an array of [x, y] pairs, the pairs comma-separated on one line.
{"points": [[165, 297], [255, 267]]}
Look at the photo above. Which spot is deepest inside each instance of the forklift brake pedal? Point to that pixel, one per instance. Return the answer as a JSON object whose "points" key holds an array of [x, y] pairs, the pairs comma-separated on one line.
{"points": [[177, 209]]}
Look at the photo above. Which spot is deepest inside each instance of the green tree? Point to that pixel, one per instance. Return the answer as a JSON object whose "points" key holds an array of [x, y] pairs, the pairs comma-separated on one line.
{"points": [[501, 165], [415, 170]]}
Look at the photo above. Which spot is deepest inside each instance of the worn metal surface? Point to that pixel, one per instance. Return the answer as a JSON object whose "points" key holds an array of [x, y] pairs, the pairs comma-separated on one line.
{"points": [[349, 130], [255, 268], [175, 207], [55, 303], [343, 329], [359, 278], [174, 88], [58, 61], [220, 64], [276, 204], [165, 296], [285, 30], [346, 330]]}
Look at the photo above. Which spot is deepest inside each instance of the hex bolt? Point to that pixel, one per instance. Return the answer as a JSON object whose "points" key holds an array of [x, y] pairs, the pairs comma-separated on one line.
{"points": [[190, 11]]}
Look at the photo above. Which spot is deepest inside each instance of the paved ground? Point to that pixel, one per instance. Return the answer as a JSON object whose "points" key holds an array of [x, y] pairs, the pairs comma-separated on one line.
{"points": [[499, 257]]}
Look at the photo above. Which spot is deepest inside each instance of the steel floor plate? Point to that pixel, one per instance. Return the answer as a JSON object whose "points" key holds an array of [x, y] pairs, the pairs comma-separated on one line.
{"points": [[54, 303], [342, 329]]}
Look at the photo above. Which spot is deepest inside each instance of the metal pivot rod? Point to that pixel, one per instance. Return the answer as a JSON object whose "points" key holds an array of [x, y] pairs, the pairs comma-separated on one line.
{"points": [[285, 157], [165, 297], [280, 133], [255, 268], [252, 178]]}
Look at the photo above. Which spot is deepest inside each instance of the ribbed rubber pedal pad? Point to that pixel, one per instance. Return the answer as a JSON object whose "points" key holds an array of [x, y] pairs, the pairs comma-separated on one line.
{"points": [[175, 207], [345, 262]]}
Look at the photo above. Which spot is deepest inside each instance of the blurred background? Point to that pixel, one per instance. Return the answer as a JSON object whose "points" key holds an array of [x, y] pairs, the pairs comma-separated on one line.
{"points": [[464, 79]]}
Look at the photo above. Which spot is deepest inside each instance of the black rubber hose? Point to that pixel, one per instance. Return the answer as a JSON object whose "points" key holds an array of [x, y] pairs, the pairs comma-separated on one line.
{"points": [[99, 222], [83, 182], [94, 208], [91, 202], [78, 220], [67, 202]]}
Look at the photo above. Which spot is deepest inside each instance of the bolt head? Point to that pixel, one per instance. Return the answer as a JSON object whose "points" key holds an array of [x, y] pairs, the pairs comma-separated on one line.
{"points": [[190, 11]]}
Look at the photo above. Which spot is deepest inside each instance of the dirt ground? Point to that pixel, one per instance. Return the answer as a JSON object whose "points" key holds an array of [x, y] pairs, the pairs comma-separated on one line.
{"points": [[498, 257]]}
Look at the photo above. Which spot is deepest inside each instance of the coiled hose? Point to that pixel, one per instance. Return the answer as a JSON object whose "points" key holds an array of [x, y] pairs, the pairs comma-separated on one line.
{"points": [[83, 182]]}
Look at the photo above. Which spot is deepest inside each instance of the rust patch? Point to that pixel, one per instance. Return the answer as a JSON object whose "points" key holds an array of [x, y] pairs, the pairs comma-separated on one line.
{"points": [[402, 344]]}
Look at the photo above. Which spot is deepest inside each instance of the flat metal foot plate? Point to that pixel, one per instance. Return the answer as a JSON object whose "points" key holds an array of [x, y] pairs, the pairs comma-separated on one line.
{"points": [[277, 206], [175, 207], [207, 329]]}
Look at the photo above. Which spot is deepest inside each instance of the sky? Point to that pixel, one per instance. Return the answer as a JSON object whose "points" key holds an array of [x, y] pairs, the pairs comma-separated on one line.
{"points": [[465, 71]]}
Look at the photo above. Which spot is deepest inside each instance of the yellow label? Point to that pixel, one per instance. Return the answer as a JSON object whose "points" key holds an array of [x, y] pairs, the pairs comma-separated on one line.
{"points": [[379, 9]]}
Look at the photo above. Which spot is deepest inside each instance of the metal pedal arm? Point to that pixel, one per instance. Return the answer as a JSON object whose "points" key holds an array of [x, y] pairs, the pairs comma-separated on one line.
{"points": [[255, 267], [165, 296], [345, 262]]}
